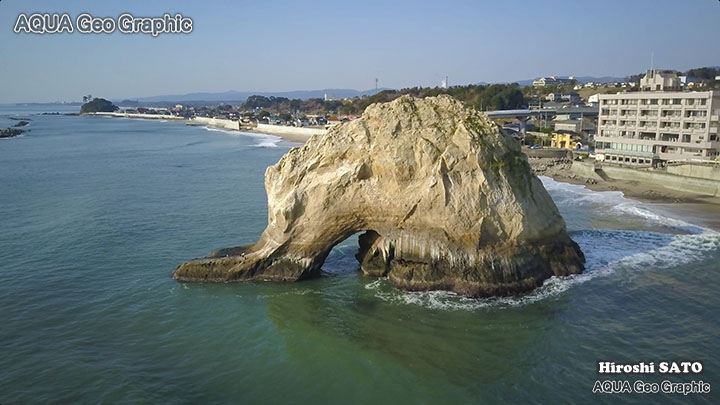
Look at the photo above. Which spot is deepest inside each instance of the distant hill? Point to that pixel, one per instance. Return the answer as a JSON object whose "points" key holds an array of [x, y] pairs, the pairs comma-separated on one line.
{"points": [[234, 95]]}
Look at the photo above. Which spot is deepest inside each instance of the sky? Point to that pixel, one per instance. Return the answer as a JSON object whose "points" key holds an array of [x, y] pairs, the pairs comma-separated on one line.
{"points": [[304, 45]]}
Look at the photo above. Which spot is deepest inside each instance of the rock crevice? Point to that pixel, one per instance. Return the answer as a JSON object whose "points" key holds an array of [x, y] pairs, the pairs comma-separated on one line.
{"points": [[445, 201]]}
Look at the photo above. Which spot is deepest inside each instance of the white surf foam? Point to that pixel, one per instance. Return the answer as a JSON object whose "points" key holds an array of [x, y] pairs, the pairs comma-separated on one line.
{"points": [[602, 261], [13, 137], [608, 252], [227, 131], [262, 140], [613, 202]]}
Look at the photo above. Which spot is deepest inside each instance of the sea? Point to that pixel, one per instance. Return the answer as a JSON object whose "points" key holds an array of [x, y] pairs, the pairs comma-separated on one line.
{"points": [[95, 213]]}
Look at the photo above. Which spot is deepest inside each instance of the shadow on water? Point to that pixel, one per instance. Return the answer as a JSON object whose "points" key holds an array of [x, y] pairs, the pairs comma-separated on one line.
{"points": [[338, 323], [364, 333], [340, 313]]}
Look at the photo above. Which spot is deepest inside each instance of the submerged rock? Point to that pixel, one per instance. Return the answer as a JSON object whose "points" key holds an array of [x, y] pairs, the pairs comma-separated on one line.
{"points": [[443, 198], [10, 132]]}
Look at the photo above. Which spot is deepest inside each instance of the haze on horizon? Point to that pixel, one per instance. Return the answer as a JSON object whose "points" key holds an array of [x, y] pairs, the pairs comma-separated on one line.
{"points": [[284, 46]]}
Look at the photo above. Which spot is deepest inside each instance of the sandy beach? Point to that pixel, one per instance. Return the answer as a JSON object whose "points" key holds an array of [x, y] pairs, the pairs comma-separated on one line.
{"points": [[288, 133], [694, 208], [288, 136], [701, 209]]}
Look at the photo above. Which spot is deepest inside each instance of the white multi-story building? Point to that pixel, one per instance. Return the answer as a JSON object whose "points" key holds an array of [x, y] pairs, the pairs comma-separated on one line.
{"points": [[652, 128], [545, 81], [660, 80]]}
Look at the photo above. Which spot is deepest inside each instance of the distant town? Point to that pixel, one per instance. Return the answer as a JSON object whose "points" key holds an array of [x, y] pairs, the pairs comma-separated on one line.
{"points": [[647, 120]]}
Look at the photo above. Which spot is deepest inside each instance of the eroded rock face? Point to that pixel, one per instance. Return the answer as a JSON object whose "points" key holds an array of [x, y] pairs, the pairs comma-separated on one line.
{"points": [[444, 199]]}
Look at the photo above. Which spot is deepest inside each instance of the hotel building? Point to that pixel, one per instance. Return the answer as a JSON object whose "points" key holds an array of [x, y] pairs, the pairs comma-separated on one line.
{"points": [[651, 128]]}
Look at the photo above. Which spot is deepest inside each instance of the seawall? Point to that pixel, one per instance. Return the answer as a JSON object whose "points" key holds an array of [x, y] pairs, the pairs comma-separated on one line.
{"points": [[695, 185], [285, 130], [294, 134], [702, 171], [138, 116], [217, 122]]}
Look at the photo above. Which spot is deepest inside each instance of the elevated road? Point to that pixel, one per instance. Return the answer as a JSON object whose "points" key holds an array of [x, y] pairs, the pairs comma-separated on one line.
{"points": [[546, 112]]}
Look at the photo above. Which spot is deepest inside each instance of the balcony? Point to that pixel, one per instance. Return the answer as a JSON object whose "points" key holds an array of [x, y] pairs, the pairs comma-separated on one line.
{"points": [[633, 153]]}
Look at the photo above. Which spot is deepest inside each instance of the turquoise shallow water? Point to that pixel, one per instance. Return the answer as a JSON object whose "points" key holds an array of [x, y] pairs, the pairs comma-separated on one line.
{"points": [[95, 213]]}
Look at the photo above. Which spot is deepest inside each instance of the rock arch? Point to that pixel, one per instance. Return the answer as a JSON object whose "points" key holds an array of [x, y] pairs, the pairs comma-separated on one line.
{"points": [[445, 199]]}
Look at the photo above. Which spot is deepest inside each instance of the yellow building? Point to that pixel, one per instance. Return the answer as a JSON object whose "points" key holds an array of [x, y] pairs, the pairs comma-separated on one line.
{"points": [[565, 140]]}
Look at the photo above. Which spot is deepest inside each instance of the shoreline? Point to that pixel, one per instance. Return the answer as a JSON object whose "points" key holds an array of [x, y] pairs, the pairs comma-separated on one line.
{"points": [[697, 207], [701, 210], [289, 137], [287, 133]]}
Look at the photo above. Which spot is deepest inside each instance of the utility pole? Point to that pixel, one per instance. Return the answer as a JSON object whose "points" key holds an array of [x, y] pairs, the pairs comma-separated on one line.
{"points": [[376, 85]]}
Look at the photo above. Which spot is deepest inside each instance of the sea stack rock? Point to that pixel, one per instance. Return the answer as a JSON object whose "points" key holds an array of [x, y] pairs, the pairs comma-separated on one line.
{"points": [[443, 199]]}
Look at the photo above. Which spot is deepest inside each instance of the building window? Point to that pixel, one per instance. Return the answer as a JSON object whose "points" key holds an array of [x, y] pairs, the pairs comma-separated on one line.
{"points": [[694, 125]]}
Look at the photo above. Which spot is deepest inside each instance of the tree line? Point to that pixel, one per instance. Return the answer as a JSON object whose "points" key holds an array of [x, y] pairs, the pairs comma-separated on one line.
{"points": [[482, 97]]}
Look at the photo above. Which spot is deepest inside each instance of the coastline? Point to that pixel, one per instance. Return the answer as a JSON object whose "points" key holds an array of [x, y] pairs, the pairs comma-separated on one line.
{"points": [[290, 137], [698, 209], [287, 133]]}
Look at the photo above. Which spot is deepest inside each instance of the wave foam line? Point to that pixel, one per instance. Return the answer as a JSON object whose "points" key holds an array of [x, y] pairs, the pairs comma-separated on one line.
{"points": [[606, 252]]}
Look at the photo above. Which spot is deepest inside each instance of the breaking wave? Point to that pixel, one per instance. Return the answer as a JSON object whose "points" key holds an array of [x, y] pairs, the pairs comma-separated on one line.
{"points": [[609, 252], [262, 140]]}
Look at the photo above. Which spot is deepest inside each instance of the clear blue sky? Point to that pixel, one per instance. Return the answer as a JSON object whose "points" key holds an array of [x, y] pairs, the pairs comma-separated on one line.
{"points": [[278, 46]]}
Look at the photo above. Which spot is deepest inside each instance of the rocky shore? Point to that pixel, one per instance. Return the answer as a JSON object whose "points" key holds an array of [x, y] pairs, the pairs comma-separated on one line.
{"points": [[10, 132]]}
